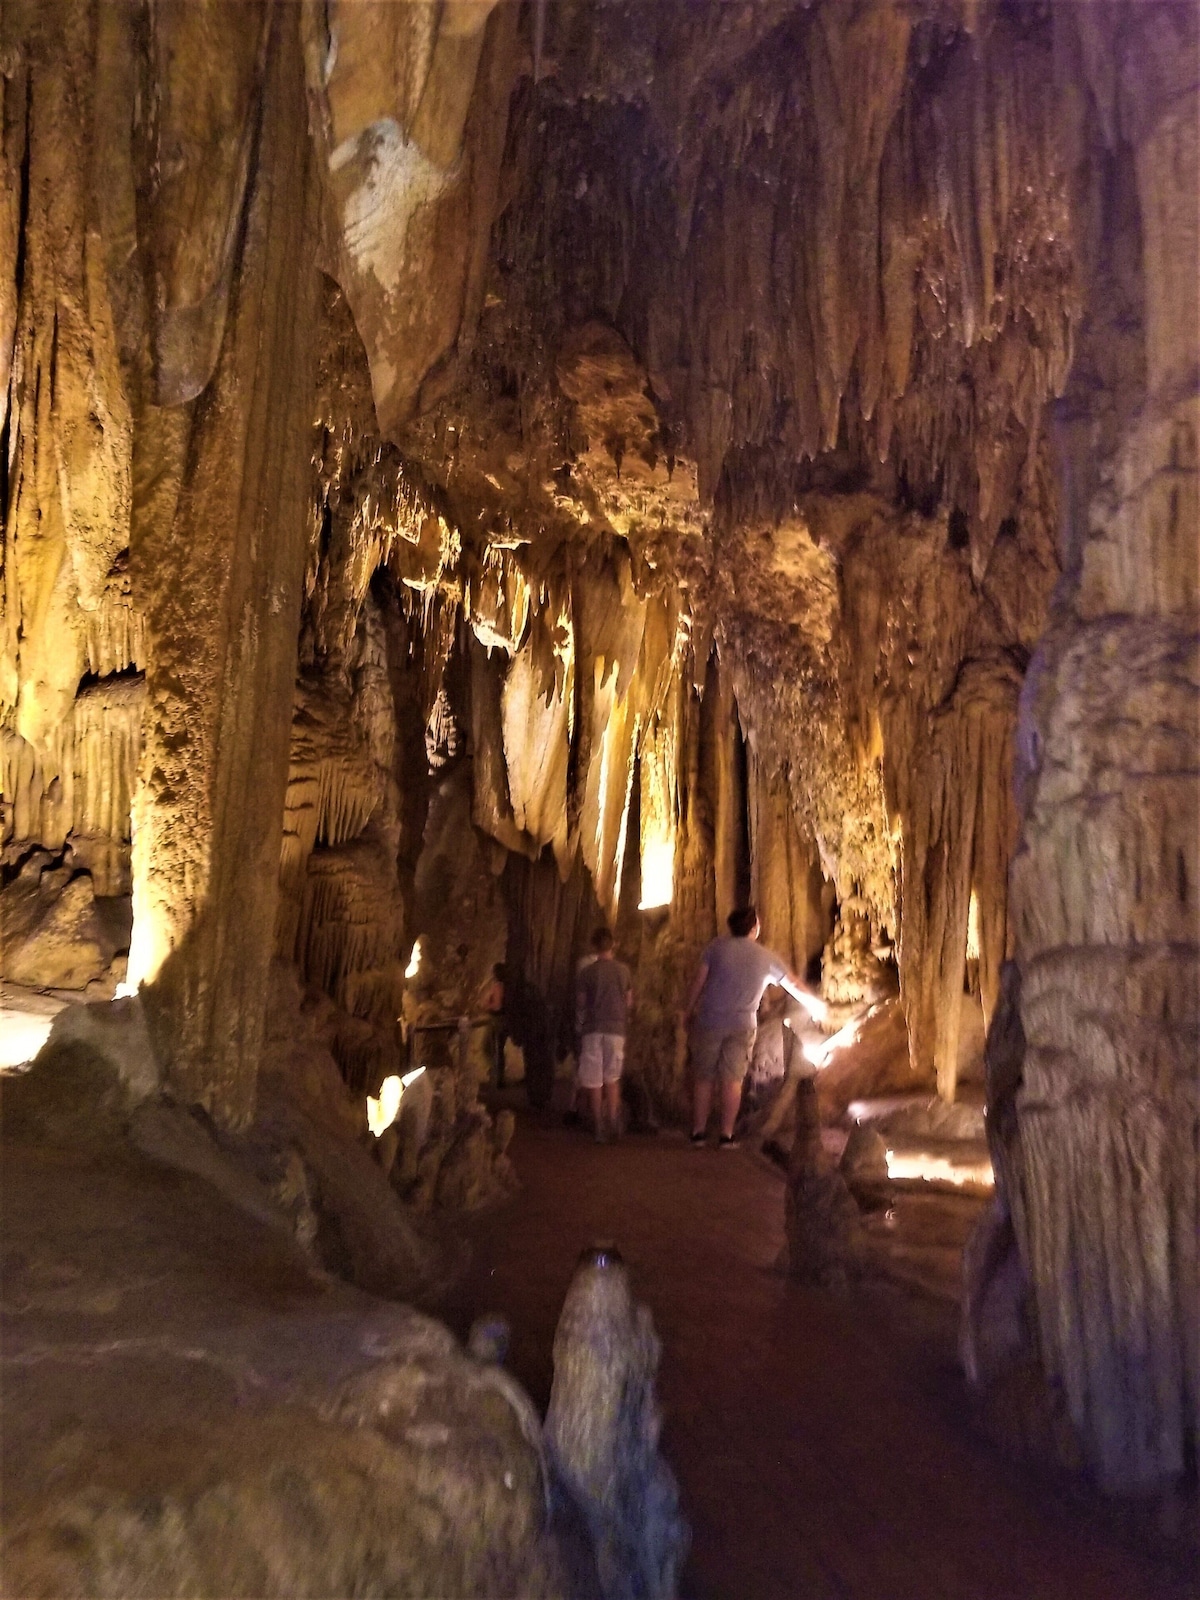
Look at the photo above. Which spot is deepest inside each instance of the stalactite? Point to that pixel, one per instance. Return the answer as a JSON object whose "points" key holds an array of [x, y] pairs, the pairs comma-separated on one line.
{"points": [[959, 834], [69, 472], [535, 713], [349, 929], [498, 601], [786, 878], [115, 631], [491, 803], [658, 807], [81, 790], [108, 740]]}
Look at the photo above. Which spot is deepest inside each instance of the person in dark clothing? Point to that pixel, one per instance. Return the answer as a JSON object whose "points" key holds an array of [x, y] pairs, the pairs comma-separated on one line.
{"points": [[603, 993], [527, 1021]]}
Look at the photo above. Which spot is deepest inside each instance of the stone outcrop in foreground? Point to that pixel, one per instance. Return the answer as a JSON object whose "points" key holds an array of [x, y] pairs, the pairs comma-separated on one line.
{"points": [[191, 1407]]}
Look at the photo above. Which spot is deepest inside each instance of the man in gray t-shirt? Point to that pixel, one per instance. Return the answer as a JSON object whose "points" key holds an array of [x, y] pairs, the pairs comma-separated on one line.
{"points": [[722, 1008]]}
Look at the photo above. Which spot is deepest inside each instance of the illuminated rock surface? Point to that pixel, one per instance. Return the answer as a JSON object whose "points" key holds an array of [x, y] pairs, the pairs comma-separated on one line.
{"points": [[473, 471]]}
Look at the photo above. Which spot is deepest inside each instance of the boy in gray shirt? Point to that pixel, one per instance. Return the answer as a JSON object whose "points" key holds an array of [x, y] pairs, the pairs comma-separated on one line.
{"points": [[603, 994], [722, 1009]]}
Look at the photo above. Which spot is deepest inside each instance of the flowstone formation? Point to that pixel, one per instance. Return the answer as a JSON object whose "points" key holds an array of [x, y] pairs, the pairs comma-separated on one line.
{"points": [[473, 471]]}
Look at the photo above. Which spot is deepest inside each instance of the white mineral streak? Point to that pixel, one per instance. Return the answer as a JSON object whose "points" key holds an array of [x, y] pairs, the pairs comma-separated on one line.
{"points": [[397, 180]]}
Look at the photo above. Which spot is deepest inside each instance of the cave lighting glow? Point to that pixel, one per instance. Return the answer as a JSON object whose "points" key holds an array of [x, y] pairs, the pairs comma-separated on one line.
{"points": [[414, 960], [22, 1035], [383, 1112], [658, 874], [150, 939], [973, 928], [926, 1166], [658, 802], [820, 1055]]}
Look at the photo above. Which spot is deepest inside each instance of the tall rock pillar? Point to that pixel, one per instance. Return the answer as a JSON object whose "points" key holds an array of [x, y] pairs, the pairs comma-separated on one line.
{"points": [[219, 557], [1106, 883]]}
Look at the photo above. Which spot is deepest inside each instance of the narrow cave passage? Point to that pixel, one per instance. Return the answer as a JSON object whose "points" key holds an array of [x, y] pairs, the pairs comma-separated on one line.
{"points": [[823, 1442]]}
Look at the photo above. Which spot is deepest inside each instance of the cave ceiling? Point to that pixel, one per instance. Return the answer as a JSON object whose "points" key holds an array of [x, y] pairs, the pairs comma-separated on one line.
{"points": [[775, 298]]}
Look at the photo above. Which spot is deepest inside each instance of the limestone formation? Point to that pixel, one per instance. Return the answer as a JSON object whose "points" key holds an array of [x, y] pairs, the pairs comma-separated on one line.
{"points": [[1106, 882], [251, 1426], [824, 1238], [602, 1431], [472, 471]]}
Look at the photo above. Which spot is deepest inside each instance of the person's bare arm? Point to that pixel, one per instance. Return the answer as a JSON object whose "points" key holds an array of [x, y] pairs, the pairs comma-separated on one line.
{"points": [[697, 988], [812, 1003]]}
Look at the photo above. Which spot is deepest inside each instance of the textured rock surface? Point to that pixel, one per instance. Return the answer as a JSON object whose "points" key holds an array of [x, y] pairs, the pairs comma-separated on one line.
{"points": [[248, 1427], [602, 1430], [1106, 884], [470, 470], [823, 1230]]}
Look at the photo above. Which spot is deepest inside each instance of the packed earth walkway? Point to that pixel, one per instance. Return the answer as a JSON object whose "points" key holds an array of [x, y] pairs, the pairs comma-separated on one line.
{"points": [[823, 1442]]}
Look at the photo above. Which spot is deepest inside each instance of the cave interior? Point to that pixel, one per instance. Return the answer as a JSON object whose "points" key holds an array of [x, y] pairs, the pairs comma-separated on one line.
{"points": [[472, 472]]}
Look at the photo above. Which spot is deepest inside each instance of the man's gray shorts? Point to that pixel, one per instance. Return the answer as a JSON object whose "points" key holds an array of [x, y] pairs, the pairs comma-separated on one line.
{"points": [[720, 1054]]}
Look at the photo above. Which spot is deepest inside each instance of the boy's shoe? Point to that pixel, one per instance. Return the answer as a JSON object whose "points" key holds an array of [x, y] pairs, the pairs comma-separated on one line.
{"points": [[698, 1139], [728, 1141], [603, 1136]]}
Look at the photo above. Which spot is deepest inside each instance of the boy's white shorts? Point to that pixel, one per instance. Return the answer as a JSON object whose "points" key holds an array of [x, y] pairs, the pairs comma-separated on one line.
{"points": [[601, 1057]]}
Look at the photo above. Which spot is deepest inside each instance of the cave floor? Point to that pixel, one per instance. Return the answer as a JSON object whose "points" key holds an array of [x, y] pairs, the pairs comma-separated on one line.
{"points": [[823, 1441]]}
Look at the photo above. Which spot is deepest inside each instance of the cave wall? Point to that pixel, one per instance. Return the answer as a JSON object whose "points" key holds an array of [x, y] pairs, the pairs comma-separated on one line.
{"points": [[169, 192], [157, 451], [590, 372], [223, 568], [872, 539], [1104, 887]]}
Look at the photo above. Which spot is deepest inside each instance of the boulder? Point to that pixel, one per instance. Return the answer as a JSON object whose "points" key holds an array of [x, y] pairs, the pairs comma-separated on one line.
{"points": [[876, 1062], [96, 1067], [51, 935]]}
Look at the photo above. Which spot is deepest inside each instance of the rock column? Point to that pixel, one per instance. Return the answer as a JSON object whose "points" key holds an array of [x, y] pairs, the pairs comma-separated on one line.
{"points": [[1105, 884], [222, 570]]}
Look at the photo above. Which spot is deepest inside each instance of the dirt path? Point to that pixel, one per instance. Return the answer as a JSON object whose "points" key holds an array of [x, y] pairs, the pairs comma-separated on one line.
{"points": [[822, 1441]]}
